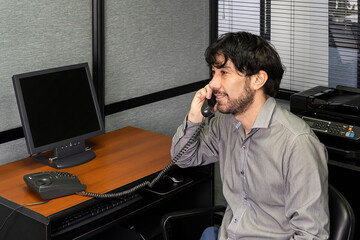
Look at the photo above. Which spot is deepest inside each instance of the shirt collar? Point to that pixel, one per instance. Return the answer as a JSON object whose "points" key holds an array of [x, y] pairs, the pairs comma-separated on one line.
{"points": [[263, 118]]}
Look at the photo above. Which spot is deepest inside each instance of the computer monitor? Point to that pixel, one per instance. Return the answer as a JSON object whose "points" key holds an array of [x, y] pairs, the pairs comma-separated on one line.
{"points": [[59, 111]]}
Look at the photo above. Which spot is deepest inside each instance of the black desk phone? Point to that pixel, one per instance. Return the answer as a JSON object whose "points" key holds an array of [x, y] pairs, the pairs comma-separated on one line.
{"points": [[49, 185], [207, 108]]}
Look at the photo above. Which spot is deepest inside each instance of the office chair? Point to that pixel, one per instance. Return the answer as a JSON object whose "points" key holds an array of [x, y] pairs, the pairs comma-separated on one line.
{"points": [[196, 220], [342, 220]]}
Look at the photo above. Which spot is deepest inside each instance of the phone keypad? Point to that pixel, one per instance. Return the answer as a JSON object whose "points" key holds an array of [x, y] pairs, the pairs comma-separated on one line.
{"points": [[62, 175]]}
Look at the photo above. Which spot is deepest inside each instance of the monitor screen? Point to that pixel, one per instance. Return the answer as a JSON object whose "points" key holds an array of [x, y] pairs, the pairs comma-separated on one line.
{"points": [[59, 110]]}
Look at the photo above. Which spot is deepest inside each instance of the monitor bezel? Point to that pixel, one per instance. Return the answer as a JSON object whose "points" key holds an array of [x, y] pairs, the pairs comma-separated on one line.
{"points": [[24, 117]]}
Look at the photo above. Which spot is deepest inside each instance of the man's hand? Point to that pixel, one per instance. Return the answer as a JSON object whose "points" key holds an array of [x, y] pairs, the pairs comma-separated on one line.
{"points": [[195, 115]]}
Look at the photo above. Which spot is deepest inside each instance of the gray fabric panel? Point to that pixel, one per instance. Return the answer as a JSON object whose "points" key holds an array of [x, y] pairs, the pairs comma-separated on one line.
{"points": [[153, 45], [12, 151], [38, 35], [162, 117]]}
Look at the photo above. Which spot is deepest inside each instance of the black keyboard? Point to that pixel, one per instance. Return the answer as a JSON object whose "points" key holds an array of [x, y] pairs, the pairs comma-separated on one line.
{"points": [[95, 212]]}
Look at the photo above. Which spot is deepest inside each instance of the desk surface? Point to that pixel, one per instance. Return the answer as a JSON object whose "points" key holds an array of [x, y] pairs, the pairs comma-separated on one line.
{"points": [[122, 157]]}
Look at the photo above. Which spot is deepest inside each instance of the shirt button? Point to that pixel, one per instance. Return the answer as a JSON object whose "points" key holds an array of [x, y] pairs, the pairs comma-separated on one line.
{"points": [[242, 172], [235, 220], [244, 147], [245, 198]]}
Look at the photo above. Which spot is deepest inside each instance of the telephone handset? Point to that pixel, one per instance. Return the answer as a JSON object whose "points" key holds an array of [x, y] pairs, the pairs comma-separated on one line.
{"points": [[207, 108]]}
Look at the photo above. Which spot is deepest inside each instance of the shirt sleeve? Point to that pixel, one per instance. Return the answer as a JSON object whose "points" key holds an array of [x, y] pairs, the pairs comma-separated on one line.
{"points": [[200, 150], [306, 195]]}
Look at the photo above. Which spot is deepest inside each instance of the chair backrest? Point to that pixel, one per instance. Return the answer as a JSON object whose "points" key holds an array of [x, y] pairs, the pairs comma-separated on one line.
{"points": [[342, 218]]}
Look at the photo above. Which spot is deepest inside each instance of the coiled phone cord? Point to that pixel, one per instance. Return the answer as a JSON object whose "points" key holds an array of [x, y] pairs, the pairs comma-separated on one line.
{"points": [[156, 179]]}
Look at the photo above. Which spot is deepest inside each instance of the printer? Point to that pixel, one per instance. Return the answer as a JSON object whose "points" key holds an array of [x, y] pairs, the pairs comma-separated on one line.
{"points": [[334, 116]]}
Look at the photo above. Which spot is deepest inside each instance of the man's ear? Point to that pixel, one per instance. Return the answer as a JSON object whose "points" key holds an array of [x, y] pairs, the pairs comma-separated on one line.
{"points": [[260, 79]]}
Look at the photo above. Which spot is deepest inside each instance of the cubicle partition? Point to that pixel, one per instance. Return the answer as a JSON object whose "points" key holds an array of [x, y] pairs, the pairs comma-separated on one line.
{"points": [[146, 58]]}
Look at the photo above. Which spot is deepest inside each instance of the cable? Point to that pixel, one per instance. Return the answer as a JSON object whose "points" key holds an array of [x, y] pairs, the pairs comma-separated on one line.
{"points": [[156, 179], [17, 208]]}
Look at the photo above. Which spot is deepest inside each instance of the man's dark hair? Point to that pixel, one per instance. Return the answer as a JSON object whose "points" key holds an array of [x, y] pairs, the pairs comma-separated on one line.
{"points": [[250, 54]]}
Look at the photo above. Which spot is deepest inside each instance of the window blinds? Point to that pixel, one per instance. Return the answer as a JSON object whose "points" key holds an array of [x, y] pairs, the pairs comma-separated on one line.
{"points": [[317, 40]]}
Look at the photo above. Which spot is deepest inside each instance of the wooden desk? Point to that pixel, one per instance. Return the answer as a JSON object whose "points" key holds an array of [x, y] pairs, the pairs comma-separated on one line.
{"points": [[122, 157]]}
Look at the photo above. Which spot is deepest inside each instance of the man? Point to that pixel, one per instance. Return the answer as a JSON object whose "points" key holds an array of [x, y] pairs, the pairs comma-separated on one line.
{"points": [[272, 166]]}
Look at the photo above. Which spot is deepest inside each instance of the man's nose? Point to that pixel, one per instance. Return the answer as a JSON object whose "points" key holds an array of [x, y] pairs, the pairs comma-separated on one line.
{"points": [[215, 82]]}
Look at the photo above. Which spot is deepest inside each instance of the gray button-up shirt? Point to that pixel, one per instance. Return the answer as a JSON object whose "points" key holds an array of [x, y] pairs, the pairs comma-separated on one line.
{"points": [[274, 179]]}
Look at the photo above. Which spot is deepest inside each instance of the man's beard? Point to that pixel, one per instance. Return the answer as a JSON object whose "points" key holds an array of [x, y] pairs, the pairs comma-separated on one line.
{"points": [[241, 104]]}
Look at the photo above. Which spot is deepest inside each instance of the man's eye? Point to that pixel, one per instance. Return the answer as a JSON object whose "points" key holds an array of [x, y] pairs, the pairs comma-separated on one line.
{"points": [[212, 73], [223, 72]]}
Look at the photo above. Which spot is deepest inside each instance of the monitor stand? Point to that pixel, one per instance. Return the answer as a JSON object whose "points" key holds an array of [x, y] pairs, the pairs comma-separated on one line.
{"points": [[68, 156]]}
